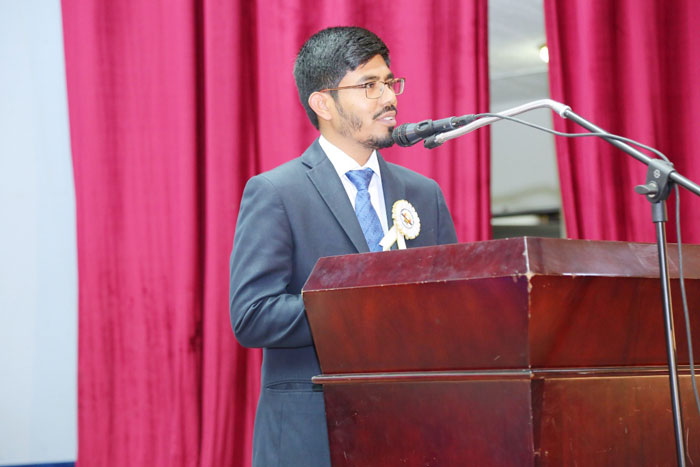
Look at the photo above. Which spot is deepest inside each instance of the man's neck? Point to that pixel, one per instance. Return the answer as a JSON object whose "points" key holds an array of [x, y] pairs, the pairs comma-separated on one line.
{"points": [[358, 152]]}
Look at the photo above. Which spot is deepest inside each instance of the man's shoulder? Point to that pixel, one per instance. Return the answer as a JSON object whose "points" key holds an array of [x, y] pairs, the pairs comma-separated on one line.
{"points": [[284, 173], [292, 172]]}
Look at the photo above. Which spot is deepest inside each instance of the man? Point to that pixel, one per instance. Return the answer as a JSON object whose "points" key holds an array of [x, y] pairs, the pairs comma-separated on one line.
{"points": [[335, 199]]}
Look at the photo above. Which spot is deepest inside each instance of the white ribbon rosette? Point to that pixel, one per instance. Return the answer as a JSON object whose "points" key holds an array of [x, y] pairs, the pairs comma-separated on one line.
{"points": [[406, 225]]}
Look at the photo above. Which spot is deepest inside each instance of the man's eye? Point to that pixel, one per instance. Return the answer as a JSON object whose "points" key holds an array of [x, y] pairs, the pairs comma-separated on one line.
{"points": [[370, 85]]}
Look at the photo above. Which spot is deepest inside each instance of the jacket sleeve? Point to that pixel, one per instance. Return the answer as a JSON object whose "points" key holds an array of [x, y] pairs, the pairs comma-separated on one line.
{"points": [[263, 312]]}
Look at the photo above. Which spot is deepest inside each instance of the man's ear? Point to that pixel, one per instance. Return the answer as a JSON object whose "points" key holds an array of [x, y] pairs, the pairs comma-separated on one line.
{"points": [[320, 103]]}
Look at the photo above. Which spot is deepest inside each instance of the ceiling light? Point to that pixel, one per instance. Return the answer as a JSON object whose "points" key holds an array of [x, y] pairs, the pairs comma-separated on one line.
{"points": [[544, 53]]}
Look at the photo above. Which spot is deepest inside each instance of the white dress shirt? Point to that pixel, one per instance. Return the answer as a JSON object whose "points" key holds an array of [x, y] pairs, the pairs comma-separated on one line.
{"points": [[343, 163]]}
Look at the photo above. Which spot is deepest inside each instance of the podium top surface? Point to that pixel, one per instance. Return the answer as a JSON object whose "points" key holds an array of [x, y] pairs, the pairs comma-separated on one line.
{"points": [[497, 258]]}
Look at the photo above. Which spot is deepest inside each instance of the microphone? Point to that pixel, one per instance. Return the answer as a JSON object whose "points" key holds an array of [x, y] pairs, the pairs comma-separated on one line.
{"points": [[409, 134]]}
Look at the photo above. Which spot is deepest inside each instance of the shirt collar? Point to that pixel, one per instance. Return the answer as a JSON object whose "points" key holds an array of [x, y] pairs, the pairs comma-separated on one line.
{"points": [[342, 162]]}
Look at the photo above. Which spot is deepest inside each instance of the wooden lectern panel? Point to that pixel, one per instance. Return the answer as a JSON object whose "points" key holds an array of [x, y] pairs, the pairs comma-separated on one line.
{"points": [[473, 420], [431, 423], [599, 321], [436, 325], [612, 420]]}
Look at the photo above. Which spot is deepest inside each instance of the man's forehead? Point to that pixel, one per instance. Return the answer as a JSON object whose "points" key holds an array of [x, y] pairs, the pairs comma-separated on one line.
{"points": [[375, 76], [375, 68]]}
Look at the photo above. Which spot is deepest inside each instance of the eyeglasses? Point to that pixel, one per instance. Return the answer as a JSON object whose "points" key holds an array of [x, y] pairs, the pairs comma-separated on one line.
{"points": [[375, 89]]}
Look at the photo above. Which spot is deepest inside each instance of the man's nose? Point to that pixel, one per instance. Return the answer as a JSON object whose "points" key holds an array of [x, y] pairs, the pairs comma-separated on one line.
{"points": [[388, 96]]}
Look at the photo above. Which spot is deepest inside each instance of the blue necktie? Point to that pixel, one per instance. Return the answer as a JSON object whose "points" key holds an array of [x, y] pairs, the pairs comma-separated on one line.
{"points": [[369, 221]]}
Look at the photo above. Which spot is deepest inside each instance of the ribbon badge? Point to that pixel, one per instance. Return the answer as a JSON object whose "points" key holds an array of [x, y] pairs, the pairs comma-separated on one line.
{"points": [[406, 225]]}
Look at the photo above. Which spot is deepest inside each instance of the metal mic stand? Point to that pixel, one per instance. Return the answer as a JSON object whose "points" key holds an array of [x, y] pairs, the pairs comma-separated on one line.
{"points": [[660, 179]]}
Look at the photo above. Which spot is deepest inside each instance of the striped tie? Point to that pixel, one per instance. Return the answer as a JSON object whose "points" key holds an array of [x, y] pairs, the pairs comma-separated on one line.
{"points": [[369, 221]]}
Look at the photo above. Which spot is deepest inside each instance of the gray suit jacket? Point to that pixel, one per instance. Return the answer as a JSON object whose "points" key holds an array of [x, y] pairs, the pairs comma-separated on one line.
{"points": [[289, 218]]}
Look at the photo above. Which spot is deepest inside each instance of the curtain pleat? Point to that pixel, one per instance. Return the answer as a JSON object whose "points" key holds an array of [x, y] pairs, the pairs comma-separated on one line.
{"points": [[631, 67]]}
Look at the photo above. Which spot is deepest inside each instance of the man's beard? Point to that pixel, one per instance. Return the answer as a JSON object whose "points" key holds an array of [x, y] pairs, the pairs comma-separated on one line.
{"points": [[352, 124], [379, 143]]}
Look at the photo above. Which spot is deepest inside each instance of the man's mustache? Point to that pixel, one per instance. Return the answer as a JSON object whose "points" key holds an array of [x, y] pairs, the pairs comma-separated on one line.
{"points": [[386, 109]]}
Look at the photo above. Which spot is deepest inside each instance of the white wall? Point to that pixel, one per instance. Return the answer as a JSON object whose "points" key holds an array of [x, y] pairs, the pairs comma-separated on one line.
{"points": [[523, 160], [523, 163], [38, 271]]}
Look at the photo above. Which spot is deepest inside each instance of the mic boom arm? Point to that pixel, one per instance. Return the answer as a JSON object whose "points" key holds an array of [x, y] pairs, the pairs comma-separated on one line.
{"points": [[437, 140]]}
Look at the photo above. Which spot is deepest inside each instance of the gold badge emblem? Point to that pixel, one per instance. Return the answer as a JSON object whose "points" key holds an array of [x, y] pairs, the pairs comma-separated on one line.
{"points": [[406, 225]]}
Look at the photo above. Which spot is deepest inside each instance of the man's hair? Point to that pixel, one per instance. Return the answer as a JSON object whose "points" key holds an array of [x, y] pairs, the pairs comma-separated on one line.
{"points": [[329, 55]]}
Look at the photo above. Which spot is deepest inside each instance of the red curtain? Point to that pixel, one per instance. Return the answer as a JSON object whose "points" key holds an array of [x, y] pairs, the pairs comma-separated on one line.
{"points": [[632, 68], [173, 106]]}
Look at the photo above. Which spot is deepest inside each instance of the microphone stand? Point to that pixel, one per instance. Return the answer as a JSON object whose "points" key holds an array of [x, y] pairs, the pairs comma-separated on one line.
{"points": [[659, 181]]}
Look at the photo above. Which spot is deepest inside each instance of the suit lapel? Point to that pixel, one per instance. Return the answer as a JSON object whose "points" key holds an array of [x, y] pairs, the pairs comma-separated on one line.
{"points": [[394, 189], [324, 177]]}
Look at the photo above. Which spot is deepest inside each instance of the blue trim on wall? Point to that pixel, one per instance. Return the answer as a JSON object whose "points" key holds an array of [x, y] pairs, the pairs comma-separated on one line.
{"points": [[54, 464]]}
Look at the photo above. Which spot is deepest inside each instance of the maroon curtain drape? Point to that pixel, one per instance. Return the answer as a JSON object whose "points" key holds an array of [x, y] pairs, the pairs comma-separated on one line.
{"points": [[173, 106], [632, 68]]}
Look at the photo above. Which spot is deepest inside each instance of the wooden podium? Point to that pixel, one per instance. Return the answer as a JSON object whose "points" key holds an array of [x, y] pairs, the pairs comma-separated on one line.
{"points": [[515, 352]]}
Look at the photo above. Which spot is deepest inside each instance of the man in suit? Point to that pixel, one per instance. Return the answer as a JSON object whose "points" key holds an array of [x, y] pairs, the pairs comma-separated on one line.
{"points": [[335, 199]]}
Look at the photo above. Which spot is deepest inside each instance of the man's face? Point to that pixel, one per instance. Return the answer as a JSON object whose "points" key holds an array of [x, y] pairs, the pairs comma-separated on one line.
{"points": [[368, 122]]}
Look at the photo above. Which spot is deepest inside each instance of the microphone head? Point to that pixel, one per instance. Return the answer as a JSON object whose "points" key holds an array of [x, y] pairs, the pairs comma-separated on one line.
{"points": [[400, 136], [409, 134]]}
